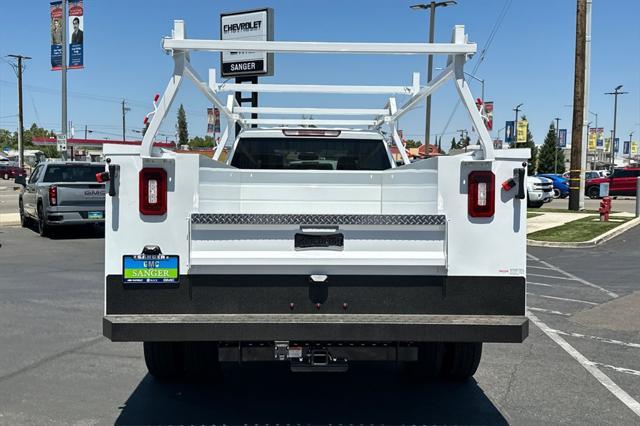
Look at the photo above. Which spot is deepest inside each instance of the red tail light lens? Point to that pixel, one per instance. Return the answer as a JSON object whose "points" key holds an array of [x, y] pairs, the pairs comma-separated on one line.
{"points": [[153, 192], [481, 201], [53, 195]]}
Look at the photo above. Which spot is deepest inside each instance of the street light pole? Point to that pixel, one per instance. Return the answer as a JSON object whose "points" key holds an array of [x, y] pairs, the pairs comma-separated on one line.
{"points": [[432, 17], [615, 94], [517, 110], [555, 166]]}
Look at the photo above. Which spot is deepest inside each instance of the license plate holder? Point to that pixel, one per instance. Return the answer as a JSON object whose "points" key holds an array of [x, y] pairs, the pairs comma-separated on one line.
{"points": [[332, 241], [150, 269]]}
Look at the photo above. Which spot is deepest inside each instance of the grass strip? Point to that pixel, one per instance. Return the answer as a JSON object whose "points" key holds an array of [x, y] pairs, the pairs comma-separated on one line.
{"points": [[530, 215], [584, 229]]}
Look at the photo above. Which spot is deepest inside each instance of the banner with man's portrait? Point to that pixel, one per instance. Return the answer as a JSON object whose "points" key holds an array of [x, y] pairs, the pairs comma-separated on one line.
{"points": [[75, 34]]}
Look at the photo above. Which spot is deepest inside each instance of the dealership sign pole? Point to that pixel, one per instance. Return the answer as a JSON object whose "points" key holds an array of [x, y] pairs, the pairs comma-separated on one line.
{"points": [[246, 66]]}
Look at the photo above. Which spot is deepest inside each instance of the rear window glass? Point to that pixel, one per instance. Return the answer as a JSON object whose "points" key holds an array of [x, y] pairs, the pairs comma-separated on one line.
{"points": [[310, 154], [72, 173]]}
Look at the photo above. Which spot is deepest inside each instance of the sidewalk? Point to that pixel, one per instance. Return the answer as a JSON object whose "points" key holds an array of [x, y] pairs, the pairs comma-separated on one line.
{"points": [[552, 219], [9, 219]]}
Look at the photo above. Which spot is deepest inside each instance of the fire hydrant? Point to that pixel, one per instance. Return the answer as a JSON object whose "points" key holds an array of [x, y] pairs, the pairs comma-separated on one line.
{"points": [[605, 209]]}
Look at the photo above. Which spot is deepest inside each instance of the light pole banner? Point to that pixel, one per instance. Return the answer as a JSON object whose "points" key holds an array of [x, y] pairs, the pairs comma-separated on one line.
{"points": [[607, 146], [509, 132], [599, 137], [210, 121], [592, 139], [562, 138], [521, 136], [76, 34], [216, 122], [634, 148], [625, 147], [55, 11], [616, 145], [488, 112]]}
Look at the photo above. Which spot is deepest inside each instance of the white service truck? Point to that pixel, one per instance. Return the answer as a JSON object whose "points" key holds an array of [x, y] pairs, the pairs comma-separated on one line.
{"points": [[308, 244]]}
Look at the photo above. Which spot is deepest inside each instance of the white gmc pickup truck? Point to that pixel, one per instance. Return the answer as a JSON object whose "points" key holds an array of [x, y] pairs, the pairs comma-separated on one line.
{"points": [[308, 245]]}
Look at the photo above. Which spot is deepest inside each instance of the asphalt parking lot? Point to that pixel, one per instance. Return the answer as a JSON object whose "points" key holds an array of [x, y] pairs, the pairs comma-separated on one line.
{"points": [[55, 366]]}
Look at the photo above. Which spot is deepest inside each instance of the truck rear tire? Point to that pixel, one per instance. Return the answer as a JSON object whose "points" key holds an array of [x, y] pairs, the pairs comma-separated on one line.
{"points": [[593, 192], [164, 359], [461, 360], [429, 363], [178, 360], [535, 204], [43, 228], [201, 361]]}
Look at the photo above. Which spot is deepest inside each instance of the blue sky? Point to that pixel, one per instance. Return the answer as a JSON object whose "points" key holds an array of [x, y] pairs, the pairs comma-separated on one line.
{"points": [[530, 60]]}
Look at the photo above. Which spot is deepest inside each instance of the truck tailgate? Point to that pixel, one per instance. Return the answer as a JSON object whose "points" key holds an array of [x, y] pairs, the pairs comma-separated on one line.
{"points": [[385, 220], [80, 194]]}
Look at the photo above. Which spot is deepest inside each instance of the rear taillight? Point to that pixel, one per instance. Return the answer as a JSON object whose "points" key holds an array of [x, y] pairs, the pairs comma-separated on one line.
{"points": [[53, 195], [481, 202], [153, 191]]}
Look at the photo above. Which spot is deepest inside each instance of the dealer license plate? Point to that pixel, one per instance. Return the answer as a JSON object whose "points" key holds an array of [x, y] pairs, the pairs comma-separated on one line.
{"points": [[150, 269], [95, 215]]}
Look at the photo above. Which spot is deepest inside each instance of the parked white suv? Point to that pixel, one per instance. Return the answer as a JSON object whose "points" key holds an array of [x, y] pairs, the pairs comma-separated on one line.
{"points": [[539, 191]]}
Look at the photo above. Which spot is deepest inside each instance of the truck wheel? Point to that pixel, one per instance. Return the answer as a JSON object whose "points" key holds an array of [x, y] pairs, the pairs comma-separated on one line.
{"points": [[24, 220], [593, 192], [429, 363], [164, 359], [461, 360], [201, 361], [43, 228], [556, 193], [535, 204], [5, 176]]}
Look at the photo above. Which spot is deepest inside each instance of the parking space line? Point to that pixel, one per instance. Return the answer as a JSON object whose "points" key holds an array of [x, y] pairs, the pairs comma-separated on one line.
{"points": [[540, 284], [598, 338], [604, 380], [551, 276], [548, 311], [618, 369], [573, 277], [539, 267], [563, 298]]}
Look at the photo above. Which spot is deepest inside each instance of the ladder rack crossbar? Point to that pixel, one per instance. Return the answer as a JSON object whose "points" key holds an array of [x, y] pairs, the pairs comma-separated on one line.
{"points": [[314, 111]]}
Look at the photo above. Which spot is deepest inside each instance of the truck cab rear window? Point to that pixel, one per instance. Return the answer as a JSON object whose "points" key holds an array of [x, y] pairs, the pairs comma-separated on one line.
{"points": [[72, 173], [310, 154]]}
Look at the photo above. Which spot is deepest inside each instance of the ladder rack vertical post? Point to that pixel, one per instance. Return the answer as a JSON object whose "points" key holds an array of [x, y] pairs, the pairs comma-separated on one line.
{"points": [[253, 99]]}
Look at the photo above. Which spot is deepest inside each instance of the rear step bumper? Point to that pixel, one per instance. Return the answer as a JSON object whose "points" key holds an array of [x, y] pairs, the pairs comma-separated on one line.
{"points": [[317, 327]]}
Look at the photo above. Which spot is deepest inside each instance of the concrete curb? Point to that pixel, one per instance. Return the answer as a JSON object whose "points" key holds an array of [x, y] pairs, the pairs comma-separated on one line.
{"points": [[9, 219], [591, 243]]}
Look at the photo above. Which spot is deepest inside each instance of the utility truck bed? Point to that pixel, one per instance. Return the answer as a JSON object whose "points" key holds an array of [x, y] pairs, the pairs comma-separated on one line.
{"points": [[309, 244]]}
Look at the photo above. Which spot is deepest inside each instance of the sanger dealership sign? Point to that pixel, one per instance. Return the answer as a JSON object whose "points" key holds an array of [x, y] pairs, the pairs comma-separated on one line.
{"points": [[254, 25]]}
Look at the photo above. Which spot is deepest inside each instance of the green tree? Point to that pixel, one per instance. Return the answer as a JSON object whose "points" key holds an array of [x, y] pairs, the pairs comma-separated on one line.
{"points": [[183, 132], [410, 143], [199, 142], [547, 156], [454, 144]]}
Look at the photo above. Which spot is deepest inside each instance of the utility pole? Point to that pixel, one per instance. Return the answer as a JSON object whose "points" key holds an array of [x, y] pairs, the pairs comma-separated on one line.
{"points": [[578, 107], [125, 109], [615, 94], [18, 68], [432, 17], [555, 166], [585, 131]]}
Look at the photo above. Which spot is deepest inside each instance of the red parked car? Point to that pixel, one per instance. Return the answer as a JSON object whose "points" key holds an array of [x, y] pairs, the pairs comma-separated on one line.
{"points": [[621, 182], [10, 169]]}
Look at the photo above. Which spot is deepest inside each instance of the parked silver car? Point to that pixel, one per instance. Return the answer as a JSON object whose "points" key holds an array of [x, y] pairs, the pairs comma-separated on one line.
{"points": [[62, 193]]}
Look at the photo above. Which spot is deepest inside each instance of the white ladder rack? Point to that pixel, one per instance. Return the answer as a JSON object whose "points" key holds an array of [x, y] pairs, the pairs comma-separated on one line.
{"points": [[179, 47]]}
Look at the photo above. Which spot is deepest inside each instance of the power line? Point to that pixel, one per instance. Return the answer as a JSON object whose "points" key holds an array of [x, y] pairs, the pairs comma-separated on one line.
{"points": [[483, 52]]}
